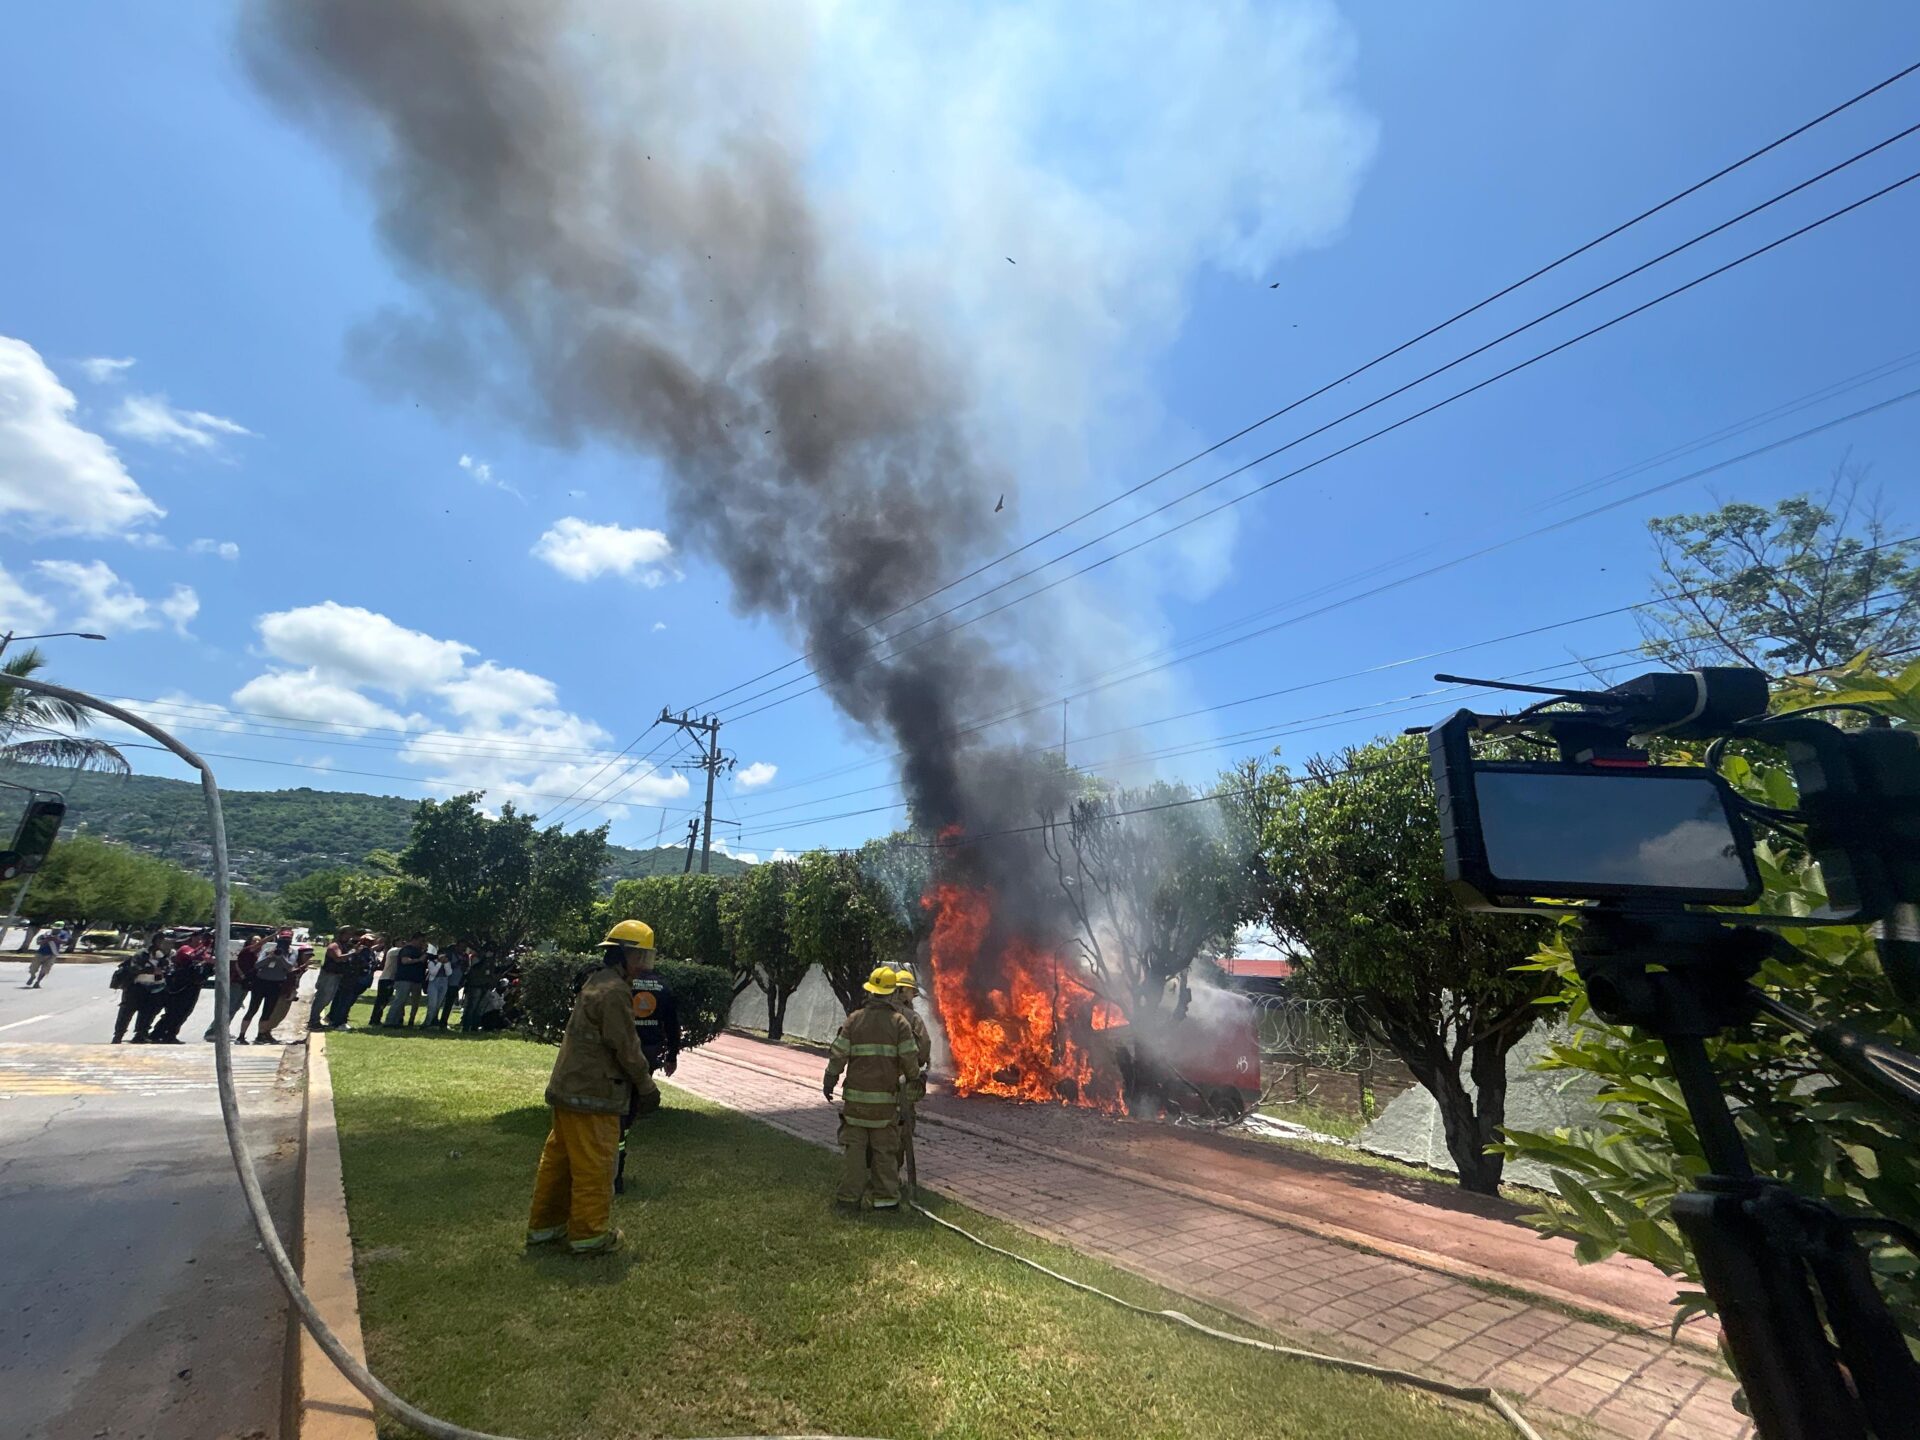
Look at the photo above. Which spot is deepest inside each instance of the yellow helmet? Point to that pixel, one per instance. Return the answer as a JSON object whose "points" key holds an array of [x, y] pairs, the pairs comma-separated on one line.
{"points": [[632, 934], [880, 982], [903, 980]]}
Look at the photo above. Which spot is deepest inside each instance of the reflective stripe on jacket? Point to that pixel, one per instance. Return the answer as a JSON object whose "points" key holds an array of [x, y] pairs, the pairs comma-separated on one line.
{"points": [[876, 1049], [600, 1056]]}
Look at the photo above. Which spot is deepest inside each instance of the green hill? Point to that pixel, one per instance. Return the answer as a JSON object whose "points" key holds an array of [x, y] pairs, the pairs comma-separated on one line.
{"points": [[273, 836]]}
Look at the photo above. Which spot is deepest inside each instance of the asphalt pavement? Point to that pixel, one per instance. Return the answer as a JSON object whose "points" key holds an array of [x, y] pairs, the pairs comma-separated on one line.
{"points": [[134, 1301]]}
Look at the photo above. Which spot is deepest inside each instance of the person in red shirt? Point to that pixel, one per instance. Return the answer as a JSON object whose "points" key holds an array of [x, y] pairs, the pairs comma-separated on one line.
{"points": [[239, 976]]}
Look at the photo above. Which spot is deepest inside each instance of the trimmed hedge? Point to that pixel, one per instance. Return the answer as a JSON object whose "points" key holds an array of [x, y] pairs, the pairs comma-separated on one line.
{"points": [[548, 984]]}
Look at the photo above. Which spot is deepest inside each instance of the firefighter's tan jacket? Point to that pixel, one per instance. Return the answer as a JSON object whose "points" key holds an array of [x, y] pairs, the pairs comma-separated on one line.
{"points": [[600, 1055], [877, 1050], [915, 1089]]}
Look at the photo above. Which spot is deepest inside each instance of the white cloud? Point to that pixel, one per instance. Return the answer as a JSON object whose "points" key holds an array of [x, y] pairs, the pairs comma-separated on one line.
{"points": [[55, 476], [148, 540], [104, 371], [309, 695], [488, 691], [581, 550], [151, 419], [503, 731], [745, 857], [348, 645], [753, 776], [102, 601], [225, 549], [20, 608], [483, 474], [658, 626], [539, 754], [180, 606]]}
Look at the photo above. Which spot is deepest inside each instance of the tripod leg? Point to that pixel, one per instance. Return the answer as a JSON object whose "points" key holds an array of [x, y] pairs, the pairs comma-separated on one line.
{"points": [[1773, 1333], [1883, 1369]]}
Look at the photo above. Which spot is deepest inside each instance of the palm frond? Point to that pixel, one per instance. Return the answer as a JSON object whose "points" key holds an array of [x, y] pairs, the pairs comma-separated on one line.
{"points": [[19, 709], [68, 751]]}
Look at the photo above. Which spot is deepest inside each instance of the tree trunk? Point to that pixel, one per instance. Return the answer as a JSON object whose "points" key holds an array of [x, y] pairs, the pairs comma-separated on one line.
{"points": [[1478, 1172], [776, 1011]]}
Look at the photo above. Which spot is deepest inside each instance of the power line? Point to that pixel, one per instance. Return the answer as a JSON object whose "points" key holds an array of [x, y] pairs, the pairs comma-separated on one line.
{"points": [[1288, 475], [426, 743], [1287, 781], [1577, 251], [420, 780], [1174, 651], [1443, 565], [647, 764], [1569, 667]]}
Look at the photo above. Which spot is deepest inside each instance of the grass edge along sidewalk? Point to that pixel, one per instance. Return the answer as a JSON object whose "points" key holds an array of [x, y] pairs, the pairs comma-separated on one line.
{"points": [[742, 1305]]}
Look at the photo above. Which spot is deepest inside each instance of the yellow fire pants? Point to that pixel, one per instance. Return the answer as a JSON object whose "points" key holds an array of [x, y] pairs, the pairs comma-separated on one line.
{"points": [[573, 1192]]}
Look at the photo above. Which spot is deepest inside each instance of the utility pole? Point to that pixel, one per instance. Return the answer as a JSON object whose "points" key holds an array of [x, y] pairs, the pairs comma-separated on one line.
{"points": [[693, 834], [711, 761]]}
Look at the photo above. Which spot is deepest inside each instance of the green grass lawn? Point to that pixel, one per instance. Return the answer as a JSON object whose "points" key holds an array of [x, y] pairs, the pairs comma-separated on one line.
{"points": [[742, 1304]]}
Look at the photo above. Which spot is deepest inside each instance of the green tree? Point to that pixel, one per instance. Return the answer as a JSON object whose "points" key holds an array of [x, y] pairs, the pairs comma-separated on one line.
{"points": [[497, 883], [35, 729], [753, 917], [1152, 881], [315, 899], [1821, 1136], [1353, 880], [684, 911], [840, 919], [1809, 584], [88, 881]]}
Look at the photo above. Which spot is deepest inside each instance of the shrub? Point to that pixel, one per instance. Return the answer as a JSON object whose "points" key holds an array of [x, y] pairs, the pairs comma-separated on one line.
{"points": [[548, 984], [705, 995], [100, 939]]}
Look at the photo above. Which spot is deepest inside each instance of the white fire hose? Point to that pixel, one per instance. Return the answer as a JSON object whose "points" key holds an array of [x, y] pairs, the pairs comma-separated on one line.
{"points": [[369, 1384]]}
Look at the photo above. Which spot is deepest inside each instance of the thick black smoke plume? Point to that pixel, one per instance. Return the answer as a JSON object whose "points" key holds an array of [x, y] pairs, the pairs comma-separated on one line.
{"points": [[637, 265]]}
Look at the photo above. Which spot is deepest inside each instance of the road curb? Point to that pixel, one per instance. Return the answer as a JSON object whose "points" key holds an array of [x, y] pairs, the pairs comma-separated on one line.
{"points": [[326, 1405]]}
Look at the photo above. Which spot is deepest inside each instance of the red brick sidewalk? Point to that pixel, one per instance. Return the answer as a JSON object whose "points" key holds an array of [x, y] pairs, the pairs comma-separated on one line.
{"points": [[1632, 1385]]}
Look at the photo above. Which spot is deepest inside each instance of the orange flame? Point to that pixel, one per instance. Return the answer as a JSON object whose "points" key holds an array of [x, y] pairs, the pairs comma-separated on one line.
{"points": [[1020, 1022]]}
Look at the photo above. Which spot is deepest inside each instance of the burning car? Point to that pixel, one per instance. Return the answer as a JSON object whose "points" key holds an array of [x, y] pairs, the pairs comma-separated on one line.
{"points": [[1022, 1022]]}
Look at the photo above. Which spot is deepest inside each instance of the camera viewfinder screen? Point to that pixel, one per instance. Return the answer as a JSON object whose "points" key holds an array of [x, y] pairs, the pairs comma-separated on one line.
{"points": [[1554, 829]]}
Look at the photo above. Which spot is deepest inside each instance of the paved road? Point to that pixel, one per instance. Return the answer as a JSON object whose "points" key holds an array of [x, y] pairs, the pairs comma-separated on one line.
{"points": [[134, 1304]]}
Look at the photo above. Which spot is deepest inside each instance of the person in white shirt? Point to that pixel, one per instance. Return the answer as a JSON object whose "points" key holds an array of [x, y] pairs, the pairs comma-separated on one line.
{"points": [[383, 991]]}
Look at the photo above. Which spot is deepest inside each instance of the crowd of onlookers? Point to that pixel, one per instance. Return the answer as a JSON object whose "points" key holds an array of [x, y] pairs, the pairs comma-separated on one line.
{"points": [[414, 982]]}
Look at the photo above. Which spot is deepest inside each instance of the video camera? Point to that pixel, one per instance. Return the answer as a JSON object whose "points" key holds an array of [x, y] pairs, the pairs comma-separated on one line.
{"points": [[1649, 856]]}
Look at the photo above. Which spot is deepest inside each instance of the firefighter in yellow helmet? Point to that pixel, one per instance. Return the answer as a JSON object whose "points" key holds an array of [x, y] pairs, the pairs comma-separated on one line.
{"points": [[877, 1051], [600, 1066], [912, 1092]]}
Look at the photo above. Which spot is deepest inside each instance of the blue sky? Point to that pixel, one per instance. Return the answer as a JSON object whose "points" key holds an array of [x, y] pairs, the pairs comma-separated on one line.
{"points": [[1214, 213]]}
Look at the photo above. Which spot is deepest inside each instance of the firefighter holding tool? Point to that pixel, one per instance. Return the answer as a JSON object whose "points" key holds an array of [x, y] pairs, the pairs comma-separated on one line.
{"points": [[600, 1071], [656, 1020], [912, 1092], [876, 1050]]}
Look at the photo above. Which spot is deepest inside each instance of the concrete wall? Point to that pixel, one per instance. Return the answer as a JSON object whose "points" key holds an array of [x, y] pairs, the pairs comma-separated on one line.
{"points": [[1409, 1128], [813, 1011]]}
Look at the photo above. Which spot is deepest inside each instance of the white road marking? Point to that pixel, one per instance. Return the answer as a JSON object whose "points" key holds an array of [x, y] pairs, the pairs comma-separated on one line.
{"points": [[30, 1020]]}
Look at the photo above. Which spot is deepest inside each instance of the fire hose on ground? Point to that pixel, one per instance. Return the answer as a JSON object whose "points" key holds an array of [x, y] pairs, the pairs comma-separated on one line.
{"points": [[369, 1384]]}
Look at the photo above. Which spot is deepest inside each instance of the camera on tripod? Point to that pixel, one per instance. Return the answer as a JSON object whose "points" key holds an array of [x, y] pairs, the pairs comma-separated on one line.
{"points": [[1650, 857]]}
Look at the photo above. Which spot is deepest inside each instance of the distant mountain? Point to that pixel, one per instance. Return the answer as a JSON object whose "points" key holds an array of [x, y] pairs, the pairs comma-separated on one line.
{"points": [[274, 836]]}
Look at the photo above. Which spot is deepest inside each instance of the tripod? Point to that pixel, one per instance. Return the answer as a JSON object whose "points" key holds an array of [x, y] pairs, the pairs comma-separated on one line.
{"points": [[1775, 1263]]}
